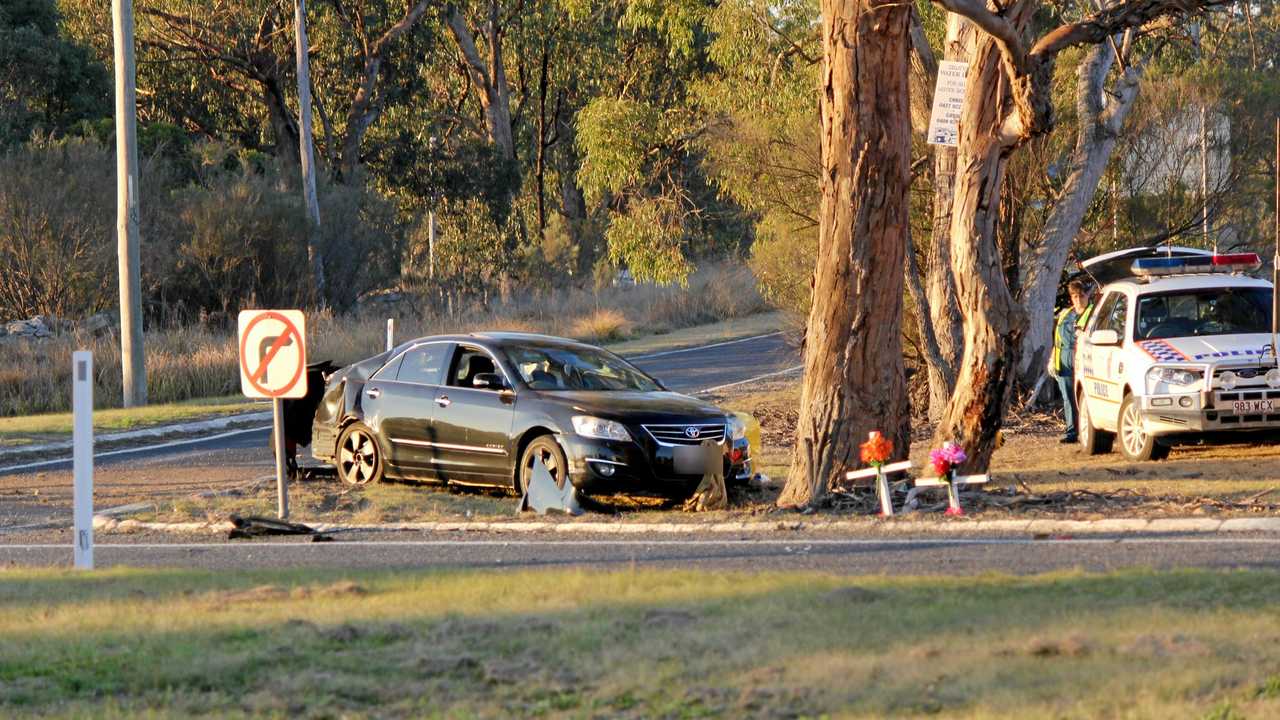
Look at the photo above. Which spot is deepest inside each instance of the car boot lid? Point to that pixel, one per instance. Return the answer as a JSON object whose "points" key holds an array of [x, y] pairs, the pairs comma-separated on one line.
{"points": [[1113, 266]]}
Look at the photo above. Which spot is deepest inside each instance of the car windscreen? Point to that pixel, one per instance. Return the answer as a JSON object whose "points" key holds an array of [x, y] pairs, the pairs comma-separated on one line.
{"points": [[1198, 313], [547, 367]]}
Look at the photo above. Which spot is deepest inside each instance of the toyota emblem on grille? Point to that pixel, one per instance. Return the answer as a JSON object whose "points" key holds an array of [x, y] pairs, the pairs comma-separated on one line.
{"points": [[692, 432]]}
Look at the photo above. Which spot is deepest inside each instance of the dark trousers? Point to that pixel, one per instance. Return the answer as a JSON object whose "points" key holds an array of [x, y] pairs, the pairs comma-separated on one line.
{"points": [[1066, 385]]}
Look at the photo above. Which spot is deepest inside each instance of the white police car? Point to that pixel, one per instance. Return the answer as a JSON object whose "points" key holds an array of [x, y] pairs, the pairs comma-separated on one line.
{"points": [[1179, 344]]}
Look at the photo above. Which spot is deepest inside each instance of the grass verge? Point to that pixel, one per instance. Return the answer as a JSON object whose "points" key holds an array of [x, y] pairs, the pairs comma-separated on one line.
{"points": [[15, 431], [650, 643]]}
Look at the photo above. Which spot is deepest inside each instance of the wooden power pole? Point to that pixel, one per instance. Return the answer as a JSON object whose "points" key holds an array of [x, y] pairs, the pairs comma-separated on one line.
{"points": [[305, 152], [132, 359]]}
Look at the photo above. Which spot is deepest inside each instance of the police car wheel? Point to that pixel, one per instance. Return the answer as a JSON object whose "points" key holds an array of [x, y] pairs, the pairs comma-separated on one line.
{"points": [[1092, 440], [1135, 444]]}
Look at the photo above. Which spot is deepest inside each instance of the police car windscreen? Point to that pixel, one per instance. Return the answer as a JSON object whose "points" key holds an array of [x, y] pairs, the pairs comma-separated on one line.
{"points": [[1211, 311]]}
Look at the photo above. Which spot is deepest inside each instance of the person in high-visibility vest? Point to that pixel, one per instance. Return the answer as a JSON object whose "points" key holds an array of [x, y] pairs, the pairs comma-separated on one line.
{"points": [[1067, 324]]}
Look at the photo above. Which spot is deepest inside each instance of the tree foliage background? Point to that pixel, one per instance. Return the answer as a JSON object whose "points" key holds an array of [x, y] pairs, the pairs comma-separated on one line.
{"points": [[558, 141]]}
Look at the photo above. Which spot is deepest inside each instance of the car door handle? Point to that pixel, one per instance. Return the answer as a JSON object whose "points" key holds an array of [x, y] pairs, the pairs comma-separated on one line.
{"points": [[373, 392], [444, 401]]}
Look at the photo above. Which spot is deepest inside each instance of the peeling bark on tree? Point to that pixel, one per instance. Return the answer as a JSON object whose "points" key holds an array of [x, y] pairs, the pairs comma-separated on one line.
{"points": [[854, 373], [992, 319], [940, 288], [1095, 141], [1008, 102]]}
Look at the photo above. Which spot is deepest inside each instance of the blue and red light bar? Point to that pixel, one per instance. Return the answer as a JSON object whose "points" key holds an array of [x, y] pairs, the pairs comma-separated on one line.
{"points": [[1233, 262]]}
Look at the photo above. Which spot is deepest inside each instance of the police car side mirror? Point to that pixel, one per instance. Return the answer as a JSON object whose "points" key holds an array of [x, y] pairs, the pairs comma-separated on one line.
{"points": [[1104, 337]]}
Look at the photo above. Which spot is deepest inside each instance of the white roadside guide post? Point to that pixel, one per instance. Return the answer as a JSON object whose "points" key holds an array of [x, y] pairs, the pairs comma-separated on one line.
{"points": [[882, 483], [82, 457], [273, 365], [391, 333]]}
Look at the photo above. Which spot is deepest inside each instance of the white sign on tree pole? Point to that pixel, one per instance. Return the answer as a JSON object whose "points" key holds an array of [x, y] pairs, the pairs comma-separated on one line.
{"points": [[82, 457], [273, 364], [948, 98]]}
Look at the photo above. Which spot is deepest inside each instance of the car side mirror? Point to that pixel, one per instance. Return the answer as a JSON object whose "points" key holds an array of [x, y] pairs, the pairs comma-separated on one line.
{"points": [[1104, 337], [488, 381]]}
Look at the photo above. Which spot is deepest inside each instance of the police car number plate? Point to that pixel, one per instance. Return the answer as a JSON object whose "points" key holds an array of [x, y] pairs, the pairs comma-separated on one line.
{"points": [[1252, 407]]}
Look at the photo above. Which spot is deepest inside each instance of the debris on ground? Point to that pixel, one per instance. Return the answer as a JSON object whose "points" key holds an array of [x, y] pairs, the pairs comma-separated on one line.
{"points": [[252, 527]]}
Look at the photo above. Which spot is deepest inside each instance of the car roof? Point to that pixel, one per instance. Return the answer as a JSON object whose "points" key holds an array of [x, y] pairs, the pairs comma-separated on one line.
{"points": [[492, 338], [1200, 281]]}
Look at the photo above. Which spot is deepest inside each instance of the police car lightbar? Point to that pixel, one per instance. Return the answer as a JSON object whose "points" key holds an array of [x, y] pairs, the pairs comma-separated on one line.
{"points": [[1235, 262]]}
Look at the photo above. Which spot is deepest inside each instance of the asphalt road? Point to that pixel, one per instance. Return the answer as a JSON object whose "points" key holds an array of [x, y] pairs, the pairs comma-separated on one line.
{"points": [[41, 494], [687, 371], [783, 551]]}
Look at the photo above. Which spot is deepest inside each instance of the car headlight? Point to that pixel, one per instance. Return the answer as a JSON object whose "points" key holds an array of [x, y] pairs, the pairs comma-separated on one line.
{"points": [[737, 428], [1174, 376], [594, 427]]}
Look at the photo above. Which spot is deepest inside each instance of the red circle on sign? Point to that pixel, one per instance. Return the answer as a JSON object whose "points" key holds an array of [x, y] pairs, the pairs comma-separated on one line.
{"points": [[289, 329]]}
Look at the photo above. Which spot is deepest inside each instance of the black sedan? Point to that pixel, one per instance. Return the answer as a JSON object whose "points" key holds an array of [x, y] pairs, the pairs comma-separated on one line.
{"points": [[481, 409]]}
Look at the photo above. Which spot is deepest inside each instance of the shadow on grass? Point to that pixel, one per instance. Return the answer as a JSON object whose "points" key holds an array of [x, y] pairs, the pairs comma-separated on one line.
{"points": [[642, 644]]}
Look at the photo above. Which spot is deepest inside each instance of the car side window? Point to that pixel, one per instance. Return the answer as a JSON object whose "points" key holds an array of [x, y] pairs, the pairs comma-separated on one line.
{"points": [[469, 362], [1113, 313], [423, 365], [390, 370]]}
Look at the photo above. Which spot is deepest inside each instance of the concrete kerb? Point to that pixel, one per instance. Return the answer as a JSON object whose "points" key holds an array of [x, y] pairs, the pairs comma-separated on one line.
{"points": [[1120, 526]]}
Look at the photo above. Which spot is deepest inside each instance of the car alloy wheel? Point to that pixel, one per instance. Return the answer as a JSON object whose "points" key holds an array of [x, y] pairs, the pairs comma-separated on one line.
{"points": [[359, 461], [546, 449], [1135, 443]]}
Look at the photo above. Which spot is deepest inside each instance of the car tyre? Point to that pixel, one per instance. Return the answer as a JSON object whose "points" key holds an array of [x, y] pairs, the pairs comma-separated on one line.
{"points": [[546, 448], [1135, 444], [1093, 440], [358, 459]]}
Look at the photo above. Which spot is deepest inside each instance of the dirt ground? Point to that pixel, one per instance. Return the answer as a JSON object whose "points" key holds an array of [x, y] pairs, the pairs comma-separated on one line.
{"points": [[1033, 475]]}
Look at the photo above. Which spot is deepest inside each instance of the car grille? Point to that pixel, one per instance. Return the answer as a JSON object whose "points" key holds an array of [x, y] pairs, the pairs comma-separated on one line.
{"points": [[681, 435]]}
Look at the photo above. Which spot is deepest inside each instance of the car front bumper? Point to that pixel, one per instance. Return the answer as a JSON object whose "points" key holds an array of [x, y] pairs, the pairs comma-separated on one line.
{"points": [[610, 466], [1215, 411]]}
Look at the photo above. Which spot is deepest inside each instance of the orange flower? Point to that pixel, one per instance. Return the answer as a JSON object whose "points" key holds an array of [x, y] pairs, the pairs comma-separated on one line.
{"points": [[877, 449]]}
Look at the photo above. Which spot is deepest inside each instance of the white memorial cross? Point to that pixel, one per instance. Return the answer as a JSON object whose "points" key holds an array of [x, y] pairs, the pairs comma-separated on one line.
{"points": [[882, 484], [953, 488]]}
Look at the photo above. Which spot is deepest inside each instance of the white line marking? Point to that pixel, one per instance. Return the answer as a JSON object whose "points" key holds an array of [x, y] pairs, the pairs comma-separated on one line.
{"points": [[702, 347], [128, 451], [157, 431], [797, 542], [748, 380]]}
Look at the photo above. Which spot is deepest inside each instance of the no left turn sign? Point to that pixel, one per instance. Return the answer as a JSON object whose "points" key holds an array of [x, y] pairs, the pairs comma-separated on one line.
{"points": [[273, 353]]}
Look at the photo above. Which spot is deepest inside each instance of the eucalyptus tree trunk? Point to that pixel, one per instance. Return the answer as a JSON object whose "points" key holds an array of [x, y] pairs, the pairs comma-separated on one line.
{"points": [[1095, 141], [854, 374], [992, 320], [940, 287]]}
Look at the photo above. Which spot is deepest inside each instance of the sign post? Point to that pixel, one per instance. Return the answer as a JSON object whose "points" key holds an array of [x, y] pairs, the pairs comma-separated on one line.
{"points": [[273, 364], [82, 457], [948, 99]]}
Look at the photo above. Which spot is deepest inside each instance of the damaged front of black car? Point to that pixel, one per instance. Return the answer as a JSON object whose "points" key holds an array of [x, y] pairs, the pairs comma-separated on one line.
{"points": [[491, 408]]}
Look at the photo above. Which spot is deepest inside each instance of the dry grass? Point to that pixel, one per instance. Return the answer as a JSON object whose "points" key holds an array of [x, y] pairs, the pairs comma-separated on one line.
{"points": [[636, 643], [196, 362], [603, 325]]}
